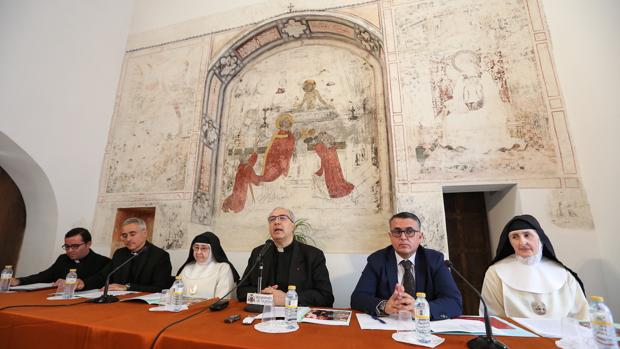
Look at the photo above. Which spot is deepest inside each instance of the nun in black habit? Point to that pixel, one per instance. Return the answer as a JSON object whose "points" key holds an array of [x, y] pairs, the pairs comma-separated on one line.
{"points": [[526, 279], [207, 272]]}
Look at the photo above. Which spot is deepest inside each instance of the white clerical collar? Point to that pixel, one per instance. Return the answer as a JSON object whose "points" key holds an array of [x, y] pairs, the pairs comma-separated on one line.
{"points": [[543, 277], [400, 259]]}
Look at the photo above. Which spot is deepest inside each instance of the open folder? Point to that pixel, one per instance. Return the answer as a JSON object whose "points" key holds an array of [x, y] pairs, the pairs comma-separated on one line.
{"points": [[461, 325]]}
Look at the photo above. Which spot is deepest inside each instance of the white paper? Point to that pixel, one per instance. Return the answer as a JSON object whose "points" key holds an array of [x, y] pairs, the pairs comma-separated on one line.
{"points": [[551, 328], [276, 326], [458, 325], [91, 294], [259, 298], [168, 308], [59, 297], [32, 287], [367, 322], [412, 338]]}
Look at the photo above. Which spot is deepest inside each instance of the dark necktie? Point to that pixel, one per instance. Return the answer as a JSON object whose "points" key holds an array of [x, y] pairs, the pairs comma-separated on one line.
{"points": [[408, 281]]}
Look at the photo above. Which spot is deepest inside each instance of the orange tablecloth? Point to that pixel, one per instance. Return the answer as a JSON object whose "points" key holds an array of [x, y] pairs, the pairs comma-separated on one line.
{"points": [[131, 325]]}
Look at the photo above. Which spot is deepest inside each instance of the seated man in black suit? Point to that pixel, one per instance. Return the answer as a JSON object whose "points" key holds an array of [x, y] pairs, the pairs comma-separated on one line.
{"points": [[289, 262], [394, 275], [78, 255], [148, 272]]}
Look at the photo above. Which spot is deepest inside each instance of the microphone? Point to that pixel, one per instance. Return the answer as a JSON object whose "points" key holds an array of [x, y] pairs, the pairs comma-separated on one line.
{"points": [[257, 308], [222, 303], [105, 298], [264, 250], [481, 342]]}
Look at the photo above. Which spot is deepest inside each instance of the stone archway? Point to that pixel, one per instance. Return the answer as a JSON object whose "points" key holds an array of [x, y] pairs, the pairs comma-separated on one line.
{"points": [[294, 116]]}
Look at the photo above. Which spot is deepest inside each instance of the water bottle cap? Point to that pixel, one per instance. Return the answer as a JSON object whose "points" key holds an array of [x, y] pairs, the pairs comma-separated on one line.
{"points": [[8, 266], [178, 277], [73, 270], [292, 287], [420, 294], [597, 298]]}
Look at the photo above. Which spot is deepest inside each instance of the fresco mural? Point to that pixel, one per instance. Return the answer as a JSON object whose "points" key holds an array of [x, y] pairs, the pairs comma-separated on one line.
{"points": [[149, 144], [305, 136], [476, 109], [296, 112]]}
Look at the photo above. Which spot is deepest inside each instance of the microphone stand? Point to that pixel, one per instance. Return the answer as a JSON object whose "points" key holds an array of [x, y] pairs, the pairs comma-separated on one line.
{"points": [[223, 303], [486, 341], [257, 308], [105, 297]]}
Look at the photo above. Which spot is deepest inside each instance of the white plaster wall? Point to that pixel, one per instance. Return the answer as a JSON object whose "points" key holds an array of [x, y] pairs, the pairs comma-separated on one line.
{"points": [[60, 62], [585, 50], [501, 206], [585, 42], [57, 98]]}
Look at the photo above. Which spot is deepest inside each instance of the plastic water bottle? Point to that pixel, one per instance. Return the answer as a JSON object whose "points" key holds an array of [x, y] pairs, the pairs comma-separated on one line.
{"points": [[178, 289], [5, 281], [422, 318], [290, 311], [602, 324], [70, 284]]}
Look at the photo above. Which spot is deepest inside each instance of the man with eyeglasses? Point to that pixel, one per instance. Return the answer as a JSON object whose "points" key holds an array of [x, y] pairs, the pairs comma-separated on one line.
{"points": [[393, 275], [78, 255], [289, 262]]}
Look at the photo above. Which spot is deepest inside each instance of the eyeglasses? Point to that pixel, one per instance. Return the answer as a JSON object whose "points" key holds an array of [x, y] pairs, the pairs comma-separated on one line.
{"points": [[409, 232], [280, 218], [72, 247]]}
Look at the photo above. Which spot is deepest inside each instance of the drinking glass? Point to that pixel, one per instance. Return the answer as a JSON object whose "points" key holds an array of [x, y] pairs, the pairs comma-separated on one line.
{"points": [[405, 322], [268, 316]]}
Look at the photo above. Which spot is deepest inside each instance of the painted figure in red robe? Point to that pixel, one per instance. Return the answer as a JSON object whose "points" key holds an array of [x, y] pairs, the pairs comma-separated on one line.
{"points": [[243, 180], [279, 151], [325, 148]]}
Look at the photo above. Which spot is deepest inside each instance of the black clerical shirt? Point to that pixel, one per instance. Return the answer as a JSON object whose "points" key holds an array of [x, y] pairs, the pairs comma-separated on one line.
{"points": [[86, 267], [283, 263]]}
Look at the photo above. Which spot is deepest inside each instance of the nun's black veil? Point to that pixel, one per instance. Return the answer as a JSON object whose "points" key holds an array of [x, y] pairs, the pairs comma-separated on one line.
{"points": [[504, 248], [216, 250]]}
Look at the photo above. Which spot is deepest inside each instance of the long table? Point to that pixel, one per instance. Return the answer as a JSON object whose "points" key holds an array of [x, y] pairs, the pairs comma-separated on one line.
{"points": [[130, 325]]}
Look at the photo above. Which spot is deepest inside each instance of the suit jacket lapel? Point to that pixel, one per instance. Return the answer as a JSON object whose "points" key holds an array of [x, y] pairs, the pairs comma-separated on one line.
{"points": [[392, 269], [420, 270]]}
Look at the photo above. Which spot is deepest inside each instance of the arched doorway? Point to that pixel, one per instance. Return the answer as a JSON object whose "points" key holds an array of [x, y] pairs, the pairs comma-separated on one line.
{"points": [[41, 211], [12, 220]]}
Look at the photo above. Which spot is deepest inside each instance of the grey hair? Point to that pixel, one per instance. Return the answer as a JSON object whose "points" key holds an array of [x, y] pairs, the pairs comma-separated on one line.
{"points": [[135, 220], [290, 213]]}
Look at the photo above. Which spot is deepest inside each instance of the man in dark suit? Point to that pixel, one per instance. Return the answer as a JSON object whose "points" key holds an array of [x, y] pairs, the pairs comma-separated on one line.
{"points": [[148, 272], [289, 262], [394, 274], [78, 255]]}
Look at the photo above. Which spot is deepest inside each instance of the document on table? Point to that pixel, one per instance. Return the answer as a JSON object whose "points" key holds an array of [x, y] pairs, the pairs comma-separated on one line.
{"points": [[466, 324], [368, 322], [499, 326], [32, 287], [551, 328], [96, 293]]}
